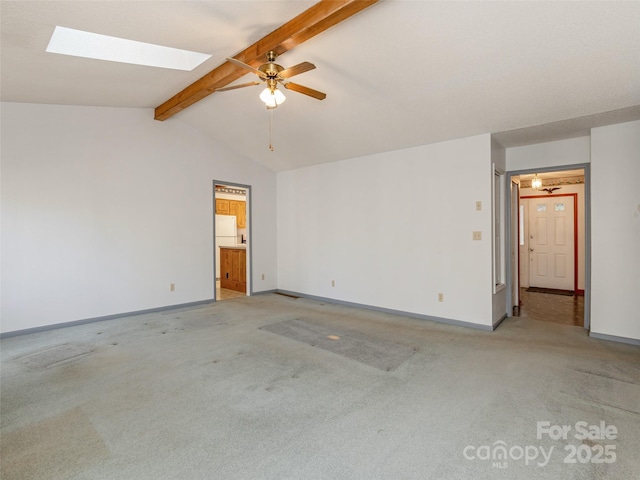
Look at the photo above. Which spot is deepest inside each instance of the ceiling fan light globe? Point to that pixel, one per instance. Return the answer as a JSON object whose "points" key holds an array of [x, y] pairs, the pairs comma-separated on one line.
{"points": [[272, 99]]}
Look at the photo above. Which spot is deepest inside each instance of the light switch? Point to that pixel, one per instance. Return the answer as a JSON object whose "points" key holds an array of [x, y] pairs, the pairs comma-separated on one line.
{"points": [[478, 205], [477, 235]]}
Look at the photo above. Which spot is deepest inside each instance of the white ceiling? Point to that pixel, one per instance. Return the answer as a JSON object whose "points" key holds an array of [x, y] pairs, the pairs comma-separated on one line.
{"points": [[399, 74]]}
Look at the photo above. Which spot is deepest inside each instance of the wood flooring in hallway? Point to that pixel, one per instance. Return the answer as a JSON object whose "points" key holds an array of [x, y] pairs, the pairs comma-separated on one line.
{"points": [[546, 307]]}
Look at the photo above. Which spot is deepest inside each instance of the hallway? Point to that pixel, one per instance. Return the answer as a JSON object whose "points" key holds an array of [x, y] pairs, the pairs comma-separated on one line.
{"points": [[545, 307]]}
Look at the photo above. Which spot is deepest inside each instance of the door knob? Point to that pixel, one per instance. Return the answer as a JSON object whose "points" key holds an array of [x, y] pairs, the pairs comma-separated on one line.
{"points": [[531, 249]]}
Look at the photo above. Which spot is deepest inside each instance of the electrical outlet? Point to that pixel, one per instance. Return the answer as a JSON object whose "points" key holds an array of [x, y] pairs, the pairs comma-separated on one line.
{"points": [[478, 205], [441, 297], [172, 287], [477, 235], [333, 283]]}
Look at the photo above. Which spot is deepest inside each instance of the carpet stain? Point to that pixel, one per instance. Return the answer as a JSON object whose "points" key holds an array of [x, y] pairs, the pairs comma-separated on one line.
{"points": [[54, 356], [55, 448], [374, 352]]}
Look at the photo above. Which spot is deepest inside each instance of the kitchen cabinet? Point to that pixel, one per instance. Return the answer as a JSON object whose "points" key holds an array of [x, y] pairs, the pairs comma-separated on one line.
{"points": [[237, 208], [233, 268], [222, 206]]}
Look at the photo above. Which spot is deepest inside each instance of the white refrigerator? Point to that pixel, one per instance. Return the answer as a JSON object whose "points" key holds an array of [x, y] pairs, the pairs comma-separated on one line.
{"points": [[226, 236]]}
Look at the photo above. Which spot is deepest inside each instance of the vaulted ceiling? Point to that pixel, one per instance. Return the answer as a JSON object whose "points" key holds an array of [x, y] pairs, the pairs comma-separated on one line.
{"points": [[400, 73]]}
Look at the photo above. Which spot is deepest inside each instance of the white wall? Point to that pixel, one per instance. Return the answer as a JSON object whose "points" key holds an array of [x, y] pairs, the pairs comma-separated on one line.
{"points": [[393, 230], [550, 154], [103, 208], [615, 237]]}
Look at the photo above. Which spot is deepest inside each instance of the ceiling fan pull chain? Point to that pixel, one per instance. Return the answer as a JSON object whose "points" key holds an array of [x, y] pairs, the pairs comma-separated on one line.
{"points": [[271, 129]]}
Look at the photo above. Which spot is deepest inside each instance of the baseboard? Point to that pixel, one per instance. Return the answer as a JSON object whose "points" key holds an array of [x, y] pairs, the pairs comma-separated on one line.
{"points": [[264, 292], [401, 313], [499, 321], [55, 326], [613, 338]]}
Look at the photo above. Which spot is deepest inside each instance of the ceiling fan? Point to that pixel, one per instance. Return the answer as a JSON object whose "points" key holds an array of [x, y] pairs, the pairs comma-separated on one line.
{"points": [[273, 74]]}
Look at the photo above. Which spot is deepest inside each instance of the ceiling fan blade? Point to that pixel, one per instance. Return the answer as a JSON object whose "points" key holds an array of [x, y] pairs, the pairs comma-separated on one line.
{"points": [[305, 90], [296, 70], [242, 85], [244, 65]]}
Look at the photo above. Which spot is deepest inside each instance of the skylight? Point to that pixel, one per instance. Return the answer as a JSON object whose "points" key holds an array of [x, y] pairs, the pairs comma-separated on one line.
{"points": [[77, 43]]}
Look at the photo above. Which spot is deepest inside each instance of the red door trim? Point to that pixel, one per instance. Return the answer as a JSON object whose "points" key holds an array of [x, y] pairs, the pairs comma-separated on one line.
{"points": [[575, 235]]}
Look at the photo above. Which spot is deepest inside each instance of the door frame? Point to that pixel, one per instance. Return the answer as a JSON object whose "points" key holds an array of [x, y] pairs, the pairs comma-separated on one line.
{"points": [[249, 201], [513, 250], [575, 234], [587, 233]]}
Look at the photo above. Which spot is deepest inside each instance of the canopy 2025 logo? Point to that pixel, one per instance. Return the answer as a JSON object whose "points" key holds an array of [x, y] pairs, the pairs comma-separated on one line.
{"points": [[586, 451]]}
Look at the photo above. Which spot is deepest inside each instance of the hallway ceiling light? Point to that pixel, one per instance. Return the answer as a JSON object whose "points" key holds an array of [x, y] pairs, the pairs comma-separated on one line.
{"points": [[536, 182]]}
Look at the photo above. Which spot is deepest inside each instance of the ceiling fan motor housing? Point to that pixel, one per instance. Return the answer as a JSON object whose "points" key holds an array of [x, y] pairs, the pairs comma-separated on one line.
{"points": [[271, 69]]}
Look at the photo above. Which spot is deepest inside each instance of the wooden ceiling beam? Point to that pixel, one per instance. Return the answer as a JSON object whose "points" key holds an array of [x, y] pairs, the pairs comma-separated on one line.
{"points": [[318, 18]]}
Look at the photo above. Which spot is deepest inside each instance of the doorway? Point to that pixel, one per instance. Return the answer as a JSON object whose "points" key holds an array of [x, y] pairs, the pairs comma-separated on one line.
{"points": [[232, 245], [549, 244]]}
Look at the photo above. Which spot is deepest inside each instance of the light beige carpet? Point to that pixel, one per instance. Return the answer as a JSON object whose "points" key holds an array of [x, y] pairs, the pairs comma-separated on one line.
{"points": [[56, 448]]}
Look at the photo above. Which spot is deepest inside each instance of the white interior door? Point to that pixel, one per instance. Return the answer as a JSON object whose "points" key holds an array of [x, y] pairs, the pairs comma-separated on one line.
{"points": [[551, 242]]}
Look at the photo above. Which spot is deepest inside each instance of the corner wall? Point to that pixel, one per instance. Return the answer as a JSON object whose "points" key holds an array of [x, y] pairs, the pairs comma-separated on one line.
{"points": [[393, 230], [103, 208], [615, 237]]}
